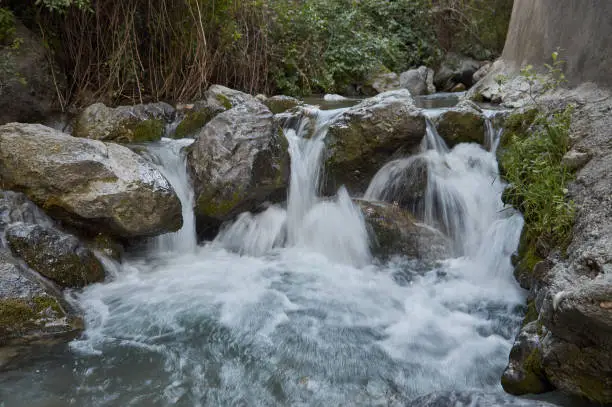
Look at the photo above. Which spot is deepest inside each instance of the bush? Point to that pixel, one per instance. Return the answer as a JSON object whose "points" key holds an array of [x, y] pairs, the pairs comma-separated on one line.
{"points": [[531, 163], [7, 26]]}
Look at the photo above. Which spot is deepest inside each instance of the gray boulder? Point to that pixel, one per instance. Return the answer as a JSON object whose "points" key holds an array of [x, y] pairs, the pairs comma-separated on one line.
{"points": [[238, 161], [56, 255], [123, 124], [383, 82], [280, 103], [192, 117], [87, 183], [461, 124], [364, 137], [30, 310], [29, 82], [226, 98], [482, 72], [395, 231], [418, 81], [455, 69]]}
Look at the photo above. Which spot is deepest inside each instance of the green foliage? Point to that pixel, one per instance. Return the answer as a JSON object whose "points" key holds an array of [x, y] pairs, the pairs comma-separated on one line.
{"points": [[7, 26], [325, 45], [531, 163], [61, 6], [550, 80]]}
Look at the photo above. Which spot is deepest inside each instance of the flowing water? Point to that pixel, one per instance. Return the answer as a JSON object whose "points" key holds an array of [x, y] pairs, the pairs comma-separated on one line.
{"points": [[287, 307]]}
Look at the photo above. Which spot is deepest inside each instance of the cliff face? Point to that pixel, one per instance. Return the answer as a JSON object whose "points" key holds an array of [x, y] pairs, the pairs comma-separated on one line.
{"points": [[581, 28]]}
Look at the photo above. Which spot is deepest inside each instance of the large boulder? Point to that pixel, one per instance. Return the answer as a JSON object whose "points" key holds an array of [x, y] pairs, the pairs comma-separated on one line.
{"points": [[418, 81], [364, 137], [281, 103], [455, 69], [87, 183], [30, 310], [461, 124], [238, 161], [226, 98], [56, 255], [394, 231], [124, 124], [382, 82], [29, 81]]}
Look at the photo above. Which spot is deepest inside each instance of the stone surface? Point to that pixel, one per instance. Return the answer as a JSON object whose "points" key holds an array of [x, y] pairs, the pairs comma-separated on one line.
{"points": [[29, 83], [418, 81], [226, 98], [56, 255], [238, 161], [87, 183], [574, 160], [366, 136], [384, 82], [395, 232], [124, 124], [193, 117], [29, 310], [281, 103], [455, 69], [461, 124], [573, 292], [482, 72]]}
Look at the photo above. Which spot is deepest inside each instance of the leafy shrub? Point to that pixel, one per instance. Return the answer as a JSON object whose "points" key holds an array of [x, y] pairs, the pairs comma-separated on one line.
{"points": [[531, 163], [7, 26]]}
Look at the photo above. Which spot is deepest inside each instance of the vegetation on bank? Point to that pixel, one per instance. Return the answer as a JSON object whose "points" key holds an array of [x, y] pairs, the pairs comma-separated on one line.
{"points": [[135, 50]]}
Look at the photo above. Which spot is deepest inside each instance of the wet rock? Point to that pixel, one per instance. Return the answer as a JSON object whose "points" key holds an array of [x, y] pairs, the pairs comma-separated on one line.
{"points": [[418, 81], [238, 161], [16, 207], [366, 136], [87, 183], [29, 83], [384, 82], [193, 117], [461, 124], [525, 372], [124, 124], [281, 103], [395, 232], [29, 310], [226, 98], [455, 69], [56, 255]]}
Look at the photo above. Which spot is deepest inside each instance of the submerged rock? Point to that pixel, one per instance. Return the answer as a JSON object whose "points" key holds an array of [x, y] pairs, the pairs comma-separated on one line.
{"points": [[238, 161], [124, 124], [461, 124], [87, 183], [29, 310], [394, 231], [365, 136], [56, 255], [418, 81]]}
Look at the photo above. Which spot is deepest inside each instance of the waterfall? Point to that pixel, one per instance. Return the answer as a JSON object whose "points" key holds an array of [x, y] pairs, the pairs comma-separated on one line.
{"points": [[334, 227], [168, 155]]}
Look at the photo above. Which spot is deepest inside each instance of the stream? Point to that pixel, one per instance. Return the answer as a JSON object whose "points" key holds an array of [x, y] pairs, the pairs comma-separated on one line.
{"points": [[288, 307]]}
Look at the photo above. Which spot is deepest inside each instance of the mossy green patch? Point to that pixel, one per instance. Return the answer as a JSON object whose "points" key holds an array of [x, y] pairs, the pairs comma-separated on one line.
{"points": [[461, 127], [24, 313], [217, 206], [193, 122], [147, 130], [224, 100], [517, 125]]}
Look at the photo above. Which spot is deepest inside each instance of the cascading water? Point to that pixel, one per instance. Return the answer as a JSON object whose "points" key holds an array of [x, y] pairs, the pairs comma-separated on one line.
{"points": [[285, 308]]}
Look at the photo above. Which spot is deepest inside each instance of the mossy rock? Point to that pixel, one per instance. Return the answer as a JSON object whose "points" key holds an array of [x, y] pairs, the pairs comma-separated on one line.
{"points": [[140, 131], [461, 126], [281, 103], [194, 120], [517, 124]]}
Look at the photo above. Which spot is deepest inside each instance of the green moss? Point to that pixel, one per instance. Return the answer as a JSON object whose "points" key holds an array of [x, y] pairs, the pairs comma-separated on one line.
{"points": [[43, 303], [531, 314], [225, 101], [517, 125], [193, 122], [15, 313], [215, 206], [461, 127], [147, 130]]}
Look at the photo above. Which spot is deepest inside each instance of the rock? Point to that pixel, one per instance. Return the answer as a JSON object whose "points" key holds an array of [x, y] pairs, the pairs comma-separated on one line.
{"points": [[395, 232], [29, 310], [29, 82], [87, 183], [194, 117], [226, 98], [124, 124], [525, 373], [54, 254], [482, 72], [364, 137], [384, 82], [455, 69], [281, 103], [574, 160], [458, 88], [461, 124], [16, 207], [238, 161], [418, 81]]}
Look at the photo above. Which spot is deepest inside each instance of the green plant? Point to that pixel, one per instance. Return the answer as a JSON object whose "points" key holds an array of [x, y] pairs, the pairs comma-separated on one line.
{"points": [[7, 26], [550, 80], [531, 163], [62, 5]]}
